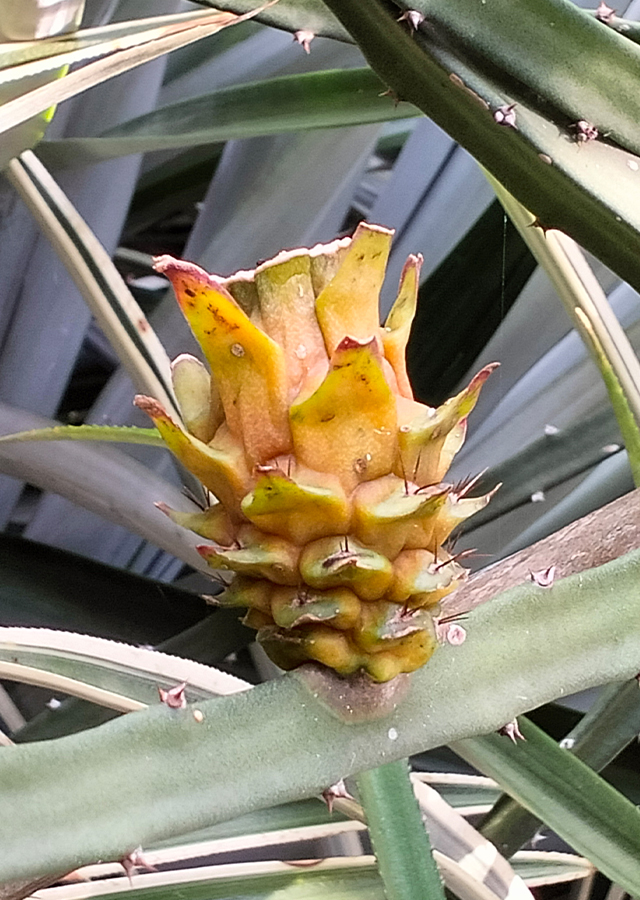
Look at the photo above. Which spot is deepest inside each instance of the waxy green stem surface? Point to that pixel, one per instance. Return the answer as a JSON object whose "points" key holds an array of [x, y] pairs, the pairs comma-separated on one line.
{"points": [[161, 772]]}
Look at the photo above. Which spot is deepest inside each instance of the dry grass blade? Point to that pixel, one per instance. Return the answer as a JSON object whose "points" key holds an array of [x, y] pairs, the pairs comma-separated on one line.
{"points": [[89, 666], [578, 289], [208, 848], [157, 42], [21, 59], [217, 875]]}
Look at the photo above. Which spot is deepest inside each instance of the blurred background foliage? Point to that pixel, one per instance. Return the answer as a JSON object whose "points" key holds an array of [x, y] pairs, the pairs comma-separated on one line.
{"points": [[228, 181]]}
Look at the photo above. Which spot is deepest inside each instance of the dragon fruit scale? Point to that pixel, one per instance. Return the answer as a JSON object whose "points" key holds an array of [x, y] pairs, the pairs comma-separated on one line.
{"points": [[329, 505]]}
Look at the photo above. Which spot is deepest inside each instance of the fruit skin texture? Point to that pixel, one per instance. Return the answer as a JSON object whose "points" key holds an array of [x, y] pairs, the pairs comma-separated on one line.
{"points": [[325, 474]]}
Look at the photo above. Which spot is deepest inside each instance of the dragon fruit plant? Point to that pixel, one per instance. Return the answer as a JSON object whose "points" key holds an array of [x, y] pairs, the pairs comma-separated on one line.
{"points": [[325, 474]]}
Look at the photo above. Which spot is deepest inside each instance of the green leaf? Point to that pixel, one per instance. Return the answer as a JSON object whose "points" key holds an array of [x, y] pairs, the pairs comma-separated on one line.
{"points": [[118, 434], [285, 104], [48, 587], [209, 641], [458, 845], [454, 839], [102, 479], [344, 878], [610, 725], [467, 794], [45, 54], [625, 403], [119, 56], [292, 15], [567, 795], [589, 309], [96, 277], [170, 187], [172, 772], [27, 134], [301, 814], [483, 277], [398, 835], [538, 868], [111, 674], [591, 192], [545, 463]]}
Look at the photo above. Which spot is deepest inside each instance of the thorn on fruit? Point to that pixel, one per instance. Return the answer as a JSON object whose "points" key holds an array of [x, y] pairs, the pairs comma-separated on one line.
{"points": [[461, 554], [337, 791], [604, 13], [135, 860], [506, 116], [174, 697], [544, 577], [466, 485], [413, 17], [512, 730], [304, 38]]}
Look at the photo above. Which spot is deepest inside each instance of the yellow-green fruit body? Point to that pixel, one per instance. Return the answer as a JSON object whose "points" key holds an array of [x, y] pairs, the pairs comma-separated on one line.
{"points": [[326, 474]]}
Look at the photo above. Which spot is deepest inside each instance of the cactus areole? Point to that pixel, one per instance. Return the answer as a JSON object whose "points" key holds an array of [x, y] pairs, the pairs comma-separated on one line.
{"points": [[326, 476]]}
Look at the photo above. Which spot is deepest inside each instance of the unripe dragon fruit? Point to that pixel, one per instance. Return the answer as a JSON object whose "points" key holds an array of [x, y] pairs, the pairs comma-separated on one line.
{"points": [[327, 475]]}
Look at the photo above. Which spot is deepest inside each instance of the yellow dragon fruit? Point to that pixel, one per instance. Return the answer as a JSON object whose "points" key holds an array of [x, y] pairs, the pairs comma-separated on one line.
{"points": [[325, 474]]}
